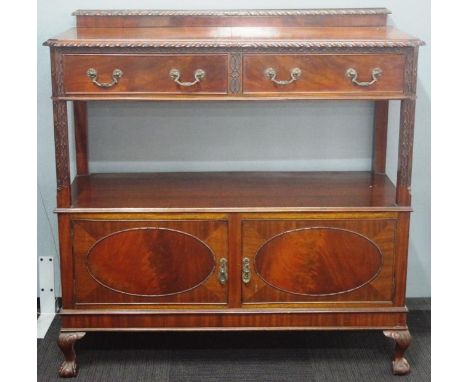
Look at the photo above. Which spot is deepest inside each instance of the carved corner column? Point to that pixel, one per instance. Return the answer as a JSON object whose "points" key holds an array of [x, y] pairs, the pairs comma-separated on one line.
{"points": [[405, 152], [62, 165], [402, 340], [66, 343], [406, 136], [62, 155]]}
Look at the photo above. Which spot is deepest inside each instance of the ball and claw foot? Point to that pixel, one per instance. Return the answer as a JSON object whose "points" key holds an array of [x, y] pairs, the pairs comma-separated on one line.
{"points": [[402, 340], [400, 366], [66, 343], [68, 369]]}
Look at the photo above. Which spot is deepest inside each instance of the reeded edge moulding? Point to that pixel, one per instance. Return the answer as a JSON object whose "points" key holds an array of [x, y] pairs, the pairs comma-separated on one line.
{"points": [[296, 44]]}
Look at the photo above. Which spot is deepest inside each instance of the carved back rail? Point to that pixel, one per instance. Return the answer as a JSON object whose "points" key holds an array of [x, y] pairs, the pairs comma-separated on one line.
{"points": [[241, 18]]}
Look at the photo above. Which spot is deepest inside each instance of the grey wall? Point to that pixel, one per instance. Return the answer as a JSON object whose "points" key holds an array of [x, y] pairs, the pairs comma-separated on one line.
{"points": [[236, 135]]}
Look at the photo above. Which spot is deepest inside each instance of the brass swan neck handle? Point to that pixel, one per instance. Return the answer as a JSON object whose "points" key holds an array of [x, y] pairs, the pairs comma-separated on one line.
{"points": [[175, 74], [93, 75]]}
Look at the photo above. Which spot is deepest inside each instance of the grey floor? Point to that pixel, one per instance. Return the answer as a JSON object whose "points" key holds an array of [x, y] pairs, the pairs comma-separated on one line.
{"points": [[246, 356]]}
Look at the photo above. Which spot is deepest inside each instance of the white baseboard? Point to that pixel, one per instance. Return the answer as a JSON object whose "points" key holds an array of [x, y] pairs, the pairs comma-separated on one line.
{"points": [[43, 324]]}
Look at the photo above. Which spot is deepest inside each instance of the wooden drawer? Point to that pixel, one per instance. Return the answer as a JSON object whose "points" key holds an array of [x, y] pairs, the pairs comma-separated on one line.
{"points": [[142, 74], [324, 73], [148, 262], [319, 261]]}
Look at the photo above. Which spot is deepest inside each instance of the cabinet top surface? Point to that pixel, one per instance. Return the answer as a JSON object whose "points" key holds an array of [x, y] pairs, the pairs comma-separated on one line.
{"points": [[241, 28]]}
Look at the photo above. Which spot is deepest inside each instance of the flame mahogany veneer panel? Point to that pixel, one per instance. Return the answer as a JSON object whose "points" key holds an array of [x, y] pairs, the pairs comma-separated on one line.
{"points": [[149, 261], [337, 260], [318, 261]]}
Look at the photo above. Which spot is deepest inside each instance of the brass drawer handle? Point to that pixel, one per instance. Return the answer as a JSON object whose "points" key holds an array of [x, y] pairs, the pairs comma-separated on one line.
{"points": [[199, 74], [353, 74], [223, 271], [246, 275], [116, 76], [295, 75]]}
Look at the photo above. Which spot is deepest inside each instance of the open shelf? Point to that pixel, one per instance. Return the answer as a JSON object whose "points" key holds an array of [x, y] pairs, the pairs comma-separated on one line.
{"points": [[233, 191]]}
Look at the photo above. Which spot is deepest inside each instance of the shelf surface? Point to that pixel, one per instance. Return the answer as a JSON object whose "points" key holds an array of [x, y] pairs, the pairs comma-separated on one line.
{"points": [[233, 191]]}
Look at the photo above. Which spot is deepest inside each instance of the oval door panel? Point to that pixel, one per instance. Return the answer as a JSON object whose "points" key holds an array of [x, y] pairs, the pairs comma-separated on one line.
{"points": [[318, 261], [150, 261]]}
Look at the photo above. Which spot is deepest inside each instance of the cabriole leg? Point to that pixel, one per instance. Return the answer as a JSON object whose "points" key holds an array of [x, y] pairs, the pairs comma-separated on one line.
{"points": [[402, 340], [66, 343]]}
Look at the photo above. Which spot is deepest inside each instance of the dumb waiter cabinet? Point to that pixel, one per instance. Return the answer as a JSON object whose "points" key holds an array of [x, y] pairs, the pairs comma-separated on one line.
{"points": [[239, 250]]}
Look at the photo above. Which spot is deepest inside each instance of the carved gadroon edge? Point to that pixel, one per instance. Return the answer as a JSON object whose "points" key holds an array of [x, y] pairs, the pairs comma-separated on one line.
{"points": [[241, 12], [233, 44], [328, 50]]}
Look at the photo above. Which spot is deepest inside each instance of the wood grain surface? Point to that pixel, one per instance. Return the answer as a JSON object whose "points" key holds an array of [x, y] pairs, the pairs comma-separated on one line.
{"points": [[233, 190], [235, 321], [145, 73], [159, 262], [203, 18], [314, 260], [150, 261], [323, 73], [326, 250], [318, 261], [231, 36]]}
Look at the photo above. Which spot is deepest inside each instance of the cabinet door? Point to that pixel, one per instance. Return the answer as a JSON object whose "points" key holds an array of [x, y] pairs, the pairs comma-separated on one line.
{"points": [[319, 261], [149, 262]]}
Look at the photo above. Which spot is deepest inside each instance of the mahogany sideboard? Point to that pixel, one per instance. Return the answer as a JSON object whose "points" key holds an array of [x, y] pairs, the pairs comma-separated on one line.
{"points": [[233, 250]]}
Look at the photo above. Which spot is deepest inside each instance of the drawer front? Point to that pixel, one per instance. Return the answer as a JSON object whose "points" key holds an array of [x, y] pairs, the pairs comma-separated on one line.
{"points": [[140, 74], [324, 74], [319, 261], [149, 262]]}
